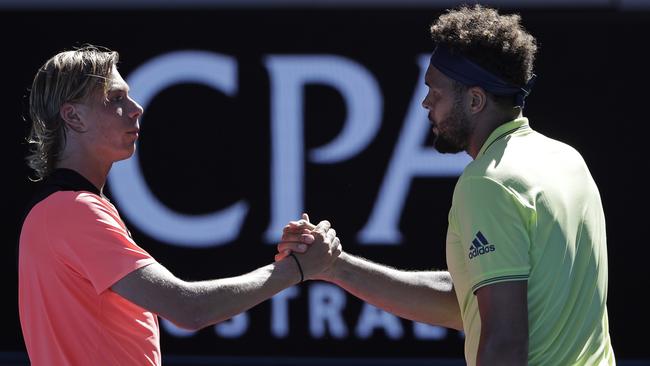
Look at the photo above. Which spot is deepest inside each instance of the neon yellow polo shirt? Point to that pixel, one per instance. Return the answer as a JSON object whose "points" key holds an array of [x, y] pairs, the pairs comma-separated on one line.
{"points": [[527, 209]]}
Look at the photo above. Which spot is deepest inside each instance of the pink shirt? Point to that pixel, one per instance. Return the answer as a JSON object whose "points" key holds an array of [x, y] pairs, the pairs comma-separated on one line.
{"points": [[73, 247]]}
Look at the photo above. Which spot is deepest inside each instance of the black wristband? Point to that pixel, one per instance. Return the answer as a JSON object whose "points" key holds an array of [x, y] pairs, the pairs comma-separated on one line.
{"points": [[302, 275]]}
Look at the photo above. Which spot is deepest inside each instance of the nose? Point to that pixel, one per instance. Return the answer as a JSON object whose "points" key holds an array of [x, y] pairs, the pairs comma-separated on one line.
{"points": [[425, 103], [137, 110]]}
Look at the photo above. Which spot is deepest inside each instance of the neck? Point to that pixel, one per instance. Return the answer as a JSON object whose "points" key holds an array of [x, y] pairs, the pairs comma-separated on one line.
{"points": [[87, 165], [95, 176], [485, 124]]}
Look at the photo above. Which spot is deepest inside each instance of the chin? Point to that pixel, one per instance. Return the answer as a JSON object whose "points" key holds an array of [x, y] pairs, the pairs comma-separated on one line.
{"points": [[447, 147], [127, 154]]}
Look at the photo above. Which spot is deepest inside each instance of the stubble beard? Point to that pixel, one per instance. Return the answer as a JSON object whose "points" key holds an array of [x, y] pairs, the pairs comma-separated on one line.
{"points": [[453, 131]]}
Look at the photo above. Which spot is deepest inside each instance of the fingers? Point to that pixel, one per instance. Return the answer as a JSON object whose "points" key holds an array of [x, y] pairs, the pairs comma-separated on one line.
{"points": [[323, 226], [304, 231], [336, 242], [294, 226], [291, 236], [307, 237], [298, 235], [331, 234], [288, 247], [280, 256]]}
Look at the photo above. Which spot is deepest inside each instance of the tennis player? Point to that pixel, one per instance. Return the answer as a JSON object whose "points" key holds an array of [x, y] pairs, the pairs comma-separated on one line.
{"points": [[88, 294], [526, 244]]}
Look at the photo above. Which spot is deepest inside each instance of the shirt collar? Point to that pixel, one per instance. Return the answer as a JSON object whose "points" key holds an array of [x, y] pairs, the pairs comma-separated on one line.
{"points": [[70, 180], [504, 130]]}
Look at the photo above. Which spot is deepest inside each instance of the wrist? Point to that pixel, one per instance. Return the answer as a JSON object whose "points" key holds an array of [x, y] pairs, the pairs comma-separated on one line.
{"points": [[288, 270], [299, 266], [333, 271]]}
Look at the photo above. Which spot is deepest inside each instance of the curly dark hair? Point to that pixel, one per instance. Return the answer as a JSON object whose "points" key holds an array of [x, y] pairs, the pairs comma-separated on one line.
{"points": [[498, 43]]}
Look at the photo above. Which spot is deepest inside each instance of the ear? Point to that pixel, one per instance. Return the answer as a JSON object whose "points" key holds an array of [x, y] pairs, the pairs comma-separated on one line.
{"points": [[478, 99], [69, 112]]}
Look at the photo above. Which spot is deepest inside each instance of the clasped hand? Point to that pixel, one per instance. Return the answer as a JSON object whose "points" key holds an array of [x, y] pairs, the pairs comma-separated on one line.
{"points": [[316, 247]]}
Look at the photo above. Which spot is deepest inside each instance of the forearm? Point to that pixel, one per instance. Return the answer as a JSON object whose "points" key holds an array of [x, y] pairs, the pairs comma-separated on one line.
{"points": [[194, 305], [218, 300], [424, 296]]}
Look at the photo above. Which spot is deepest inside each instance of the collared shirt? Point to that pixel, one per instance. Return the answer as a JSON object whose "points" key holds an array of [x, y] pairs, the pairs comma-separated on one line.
{"points": [[527, 209], [73, 247]]}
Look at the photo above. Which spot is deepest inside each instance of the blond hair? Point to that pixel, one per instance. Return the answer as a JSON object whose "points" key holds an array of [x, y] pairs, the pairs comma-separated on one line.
{"points": [[69, 76]]}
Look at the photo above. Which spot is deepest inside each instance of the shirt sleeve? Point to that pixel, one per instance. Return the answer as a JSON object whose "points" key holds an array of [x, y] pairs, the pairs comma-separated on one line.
{"points": [[493, 226], [93, 241]]}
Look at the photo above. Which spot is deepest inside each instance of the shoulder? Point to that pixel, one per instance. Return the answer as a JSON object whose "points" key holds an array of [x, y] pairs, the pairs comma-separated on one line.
{"points": [[75, 200], [514, 160], [486, 194], [479, 188], [537, 146], [75, 205], [480, 185], [62, 213]]}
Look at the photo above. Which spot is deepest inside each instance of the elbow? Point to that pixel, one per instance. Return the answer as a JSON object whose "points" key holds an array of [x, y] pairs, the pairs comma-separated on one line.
{"points": [[188, 318], [456, 324], [186, 311], [197, 322], [186, 325], [195, 316], [192, 325]]}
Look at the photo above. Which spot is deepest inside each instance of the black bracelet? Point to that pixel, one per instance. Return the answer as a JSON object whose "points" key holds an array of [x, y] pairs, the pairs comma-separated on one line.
{"points": [[302, 276]]}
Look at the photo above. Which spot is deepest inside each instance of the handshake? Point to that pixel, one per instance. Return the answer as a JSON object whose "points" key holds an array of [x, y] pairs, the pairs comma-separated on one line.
{"points": [[315, 248]]}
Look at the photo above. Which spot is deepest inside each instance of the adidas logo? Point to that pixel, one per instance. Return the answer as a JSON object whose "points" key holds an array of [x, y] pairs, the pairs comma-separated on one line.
{"points": [[480, 246]]}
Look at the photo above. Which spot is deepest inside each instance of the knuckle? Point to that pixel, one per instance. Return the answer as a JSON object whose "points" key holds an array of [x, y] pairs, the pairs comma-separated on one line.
{"points": [[324, 223]]}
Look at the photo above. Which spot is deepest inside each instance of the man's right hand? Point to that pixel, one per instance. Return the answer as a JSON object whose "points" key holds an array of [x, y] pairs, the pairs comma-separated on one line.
{"points": [[316, 247]]}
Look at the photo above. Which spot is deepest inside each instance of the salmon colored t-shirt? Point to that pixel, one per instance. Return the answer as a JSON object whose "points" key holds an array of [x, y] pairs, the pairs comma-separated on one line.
{"points": [[73, 247]]}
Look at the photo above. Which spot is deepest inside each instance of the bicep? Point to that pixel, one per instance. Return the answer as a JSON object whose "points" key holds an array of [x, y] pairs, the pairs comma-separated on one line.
{"points": [[503, 309]]}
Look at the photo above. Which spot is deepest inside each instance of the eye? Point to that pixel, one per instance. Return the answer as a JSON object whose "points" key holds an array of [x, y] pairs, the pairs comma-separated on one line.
{"points": [[117, 98]]}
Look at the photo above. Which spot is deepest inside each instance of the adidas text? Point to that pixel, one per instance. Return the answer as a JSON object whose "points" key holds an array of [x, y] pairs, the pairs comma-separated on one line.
{"points": [[481, 250]]}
